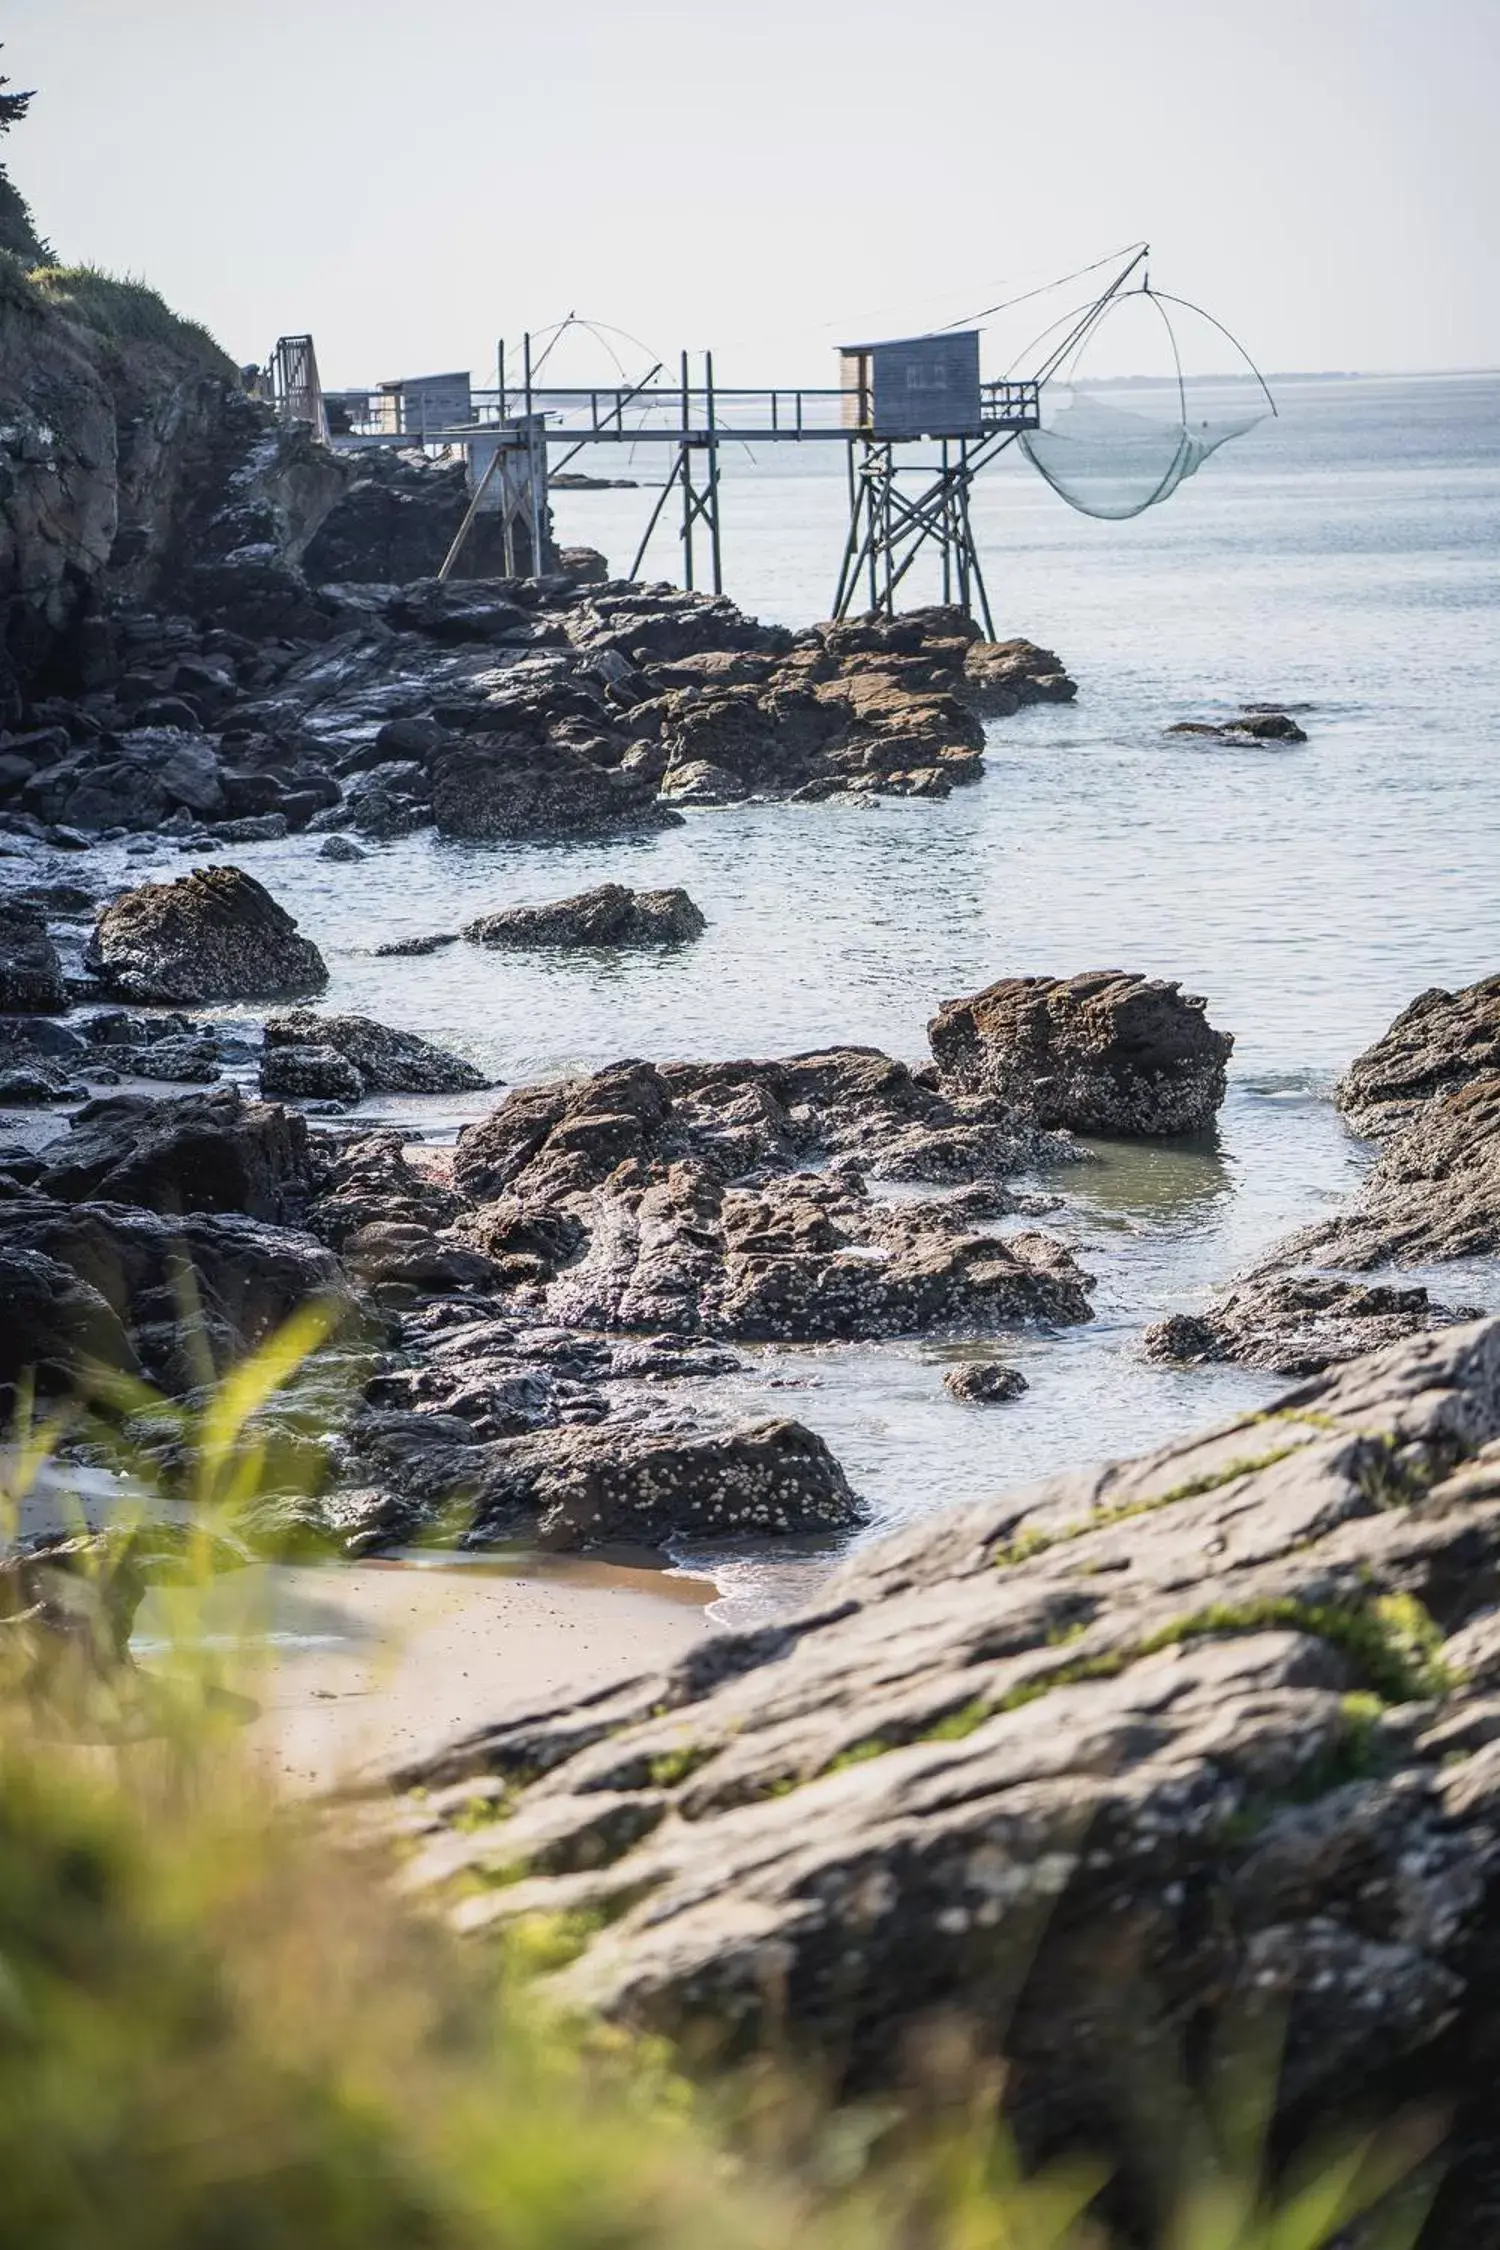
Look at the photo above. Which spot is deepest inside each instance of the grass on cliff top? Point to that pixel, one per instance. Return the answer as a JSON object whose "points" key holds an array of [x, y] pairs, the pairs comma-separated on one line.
{"points": [[125, 310], [221, 2028]]}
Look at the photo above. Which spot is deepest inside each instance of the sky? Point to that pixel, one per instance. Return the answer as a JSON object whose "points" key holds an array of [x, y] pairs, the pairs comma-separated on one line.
{"points": [[409, 180]]}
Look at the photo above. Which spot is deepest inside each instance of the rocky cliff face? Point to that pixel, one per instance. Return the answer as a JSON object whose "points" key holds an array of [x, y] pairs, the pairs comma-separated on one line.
{"points": [[129, 460]]}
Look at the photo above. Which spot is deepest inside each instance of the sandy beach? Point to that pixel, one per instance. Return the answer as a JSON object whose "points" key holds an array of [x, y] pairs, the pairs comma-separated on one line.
{"points": [[355, 1664]]}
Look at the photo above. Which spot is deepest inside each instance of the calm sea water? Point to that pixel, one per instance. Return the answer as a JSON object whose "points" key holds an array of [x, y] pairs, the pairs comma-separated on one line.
{"points": [[1345, 556]]}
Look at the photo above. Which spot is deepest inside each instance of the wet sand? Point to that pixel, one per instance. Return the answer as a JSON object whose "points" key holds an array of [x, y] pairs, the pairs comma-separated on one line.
{"points": [[355, 1664]]}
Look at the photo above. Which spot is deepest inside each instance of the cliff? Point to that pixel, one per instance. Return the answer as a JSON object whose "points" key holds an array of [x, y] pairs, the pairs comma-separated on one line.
{"points": [[130, 459]]}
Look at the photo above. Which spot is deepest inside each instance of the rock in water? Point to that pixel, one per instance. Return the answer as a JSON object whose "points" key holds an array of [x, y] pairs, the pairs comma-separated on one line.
{"points": [[494, 786], [610, 915], [382, 1061], [31, 979], [215, 934], [1442, 1042], [984, 1382], [1109, 1052], [1178, 1739], [1296, 1323]]}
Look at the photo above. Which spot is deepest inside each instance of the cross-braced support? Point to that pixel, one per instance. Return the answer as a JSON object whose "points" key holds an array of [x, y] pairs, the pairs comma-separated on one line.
{"points": [[889, 527], [699, 489]]}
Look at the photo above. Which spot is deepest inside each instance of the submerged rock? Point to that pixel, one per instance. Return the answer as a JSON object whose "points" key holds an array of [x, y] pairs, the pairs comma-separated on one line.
{"points": [[216, 934], [610, 915], [1250, 726], [1109, 1052], [381, 1060], [1193, 1736], [984, 1382]]}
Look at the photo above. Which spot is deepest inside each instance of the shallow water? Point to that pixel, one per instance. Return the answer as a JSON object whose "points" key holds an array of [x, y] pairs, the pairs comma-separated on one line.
{"points": [[1346, 556]]}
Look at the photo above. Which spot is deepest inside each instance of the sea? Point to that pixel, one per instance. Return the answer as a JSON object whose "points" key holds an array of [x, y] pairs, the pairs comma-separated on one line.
{"points": [[1343, 560]]}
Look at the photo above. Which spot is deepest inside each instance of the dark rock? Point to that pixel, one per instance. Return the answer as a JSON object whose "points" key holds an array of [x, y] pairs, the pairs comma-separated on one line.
{"points": [[1433, 1192], [215, 934], [1442, 1042], [984, 1382], [496, 786], [1107, 1053], [1249, 726], [393, 800], [1297, 1323], [341, 848], [743, 1118], [671, 1241], [385, 1061], [610, 915], [197, 1152], [100, 1284], [255, 828], [37, 1081], [310, 1073], [1196, 1738], [413, 948], [585, 1487], [31, 980]]}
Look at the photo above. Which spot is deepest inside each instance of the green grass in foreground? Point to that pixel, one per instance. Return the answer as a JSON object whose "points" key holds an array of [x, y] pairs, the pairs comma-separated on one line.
{"points": [[126, 310], [221, 2030]]}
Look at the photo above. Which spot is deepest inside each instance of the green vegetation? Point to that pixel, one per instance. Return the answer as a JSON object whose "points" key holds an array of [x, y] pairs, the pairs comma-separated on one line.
{"points": [[18, 235], [127, 311], [221, 2029], [1030, 1543]]}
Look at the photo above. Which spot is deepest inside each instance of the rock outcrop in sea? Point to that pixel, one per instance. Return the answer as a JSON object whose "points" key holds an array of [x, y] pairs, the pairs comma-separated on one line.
{"points": [[1108, 1052], [1428, 1094]]}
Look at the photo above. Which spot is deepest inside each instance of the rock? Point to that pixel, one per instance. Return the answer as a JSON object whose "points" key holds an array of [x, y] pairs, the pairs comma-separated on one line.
{"points": [[41, 1080], [99, 1284], [802, 1259], [1297, 1323], [1249, 726], [31, 978], [189, 774], [215, 934], [384, 1061], [1433, 1192], [52, 1323], [667, 1178], [310, 1073], [341, 848], [1205, 1737], [1443, 1041], [1109, 1052], [743, 1118], [984, 1382], [517, 784], [412, 948], [610, 915], [255, 828], [1000, 676], [574, 1488], [198, 1152]]}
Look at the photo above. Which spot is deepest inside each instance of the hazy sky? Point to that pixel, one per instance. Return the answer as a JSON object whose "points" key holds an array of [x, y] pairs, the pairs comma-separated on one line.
{"points": [[411, 178]]}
